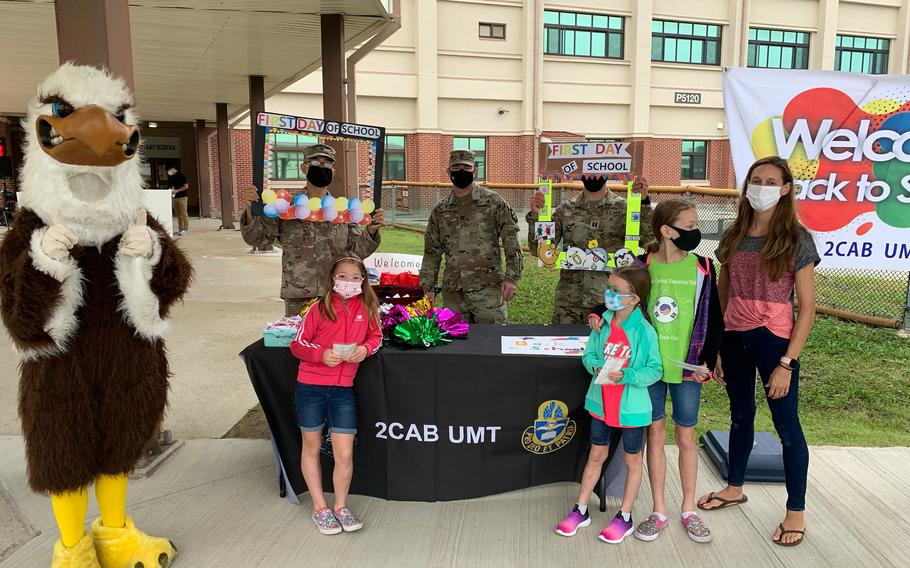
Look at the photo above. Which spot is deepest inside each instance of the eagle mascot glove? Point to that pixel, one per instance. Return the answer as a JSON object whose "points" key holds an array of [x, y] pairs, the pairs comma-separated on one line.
{"points": [[87, 279]]}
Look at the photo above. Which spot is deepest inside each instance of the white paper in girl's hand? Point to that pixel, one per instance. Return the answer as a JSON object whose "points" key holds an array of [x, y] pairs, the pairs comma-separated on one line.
{"points": [[610, 364], [344, 349]]}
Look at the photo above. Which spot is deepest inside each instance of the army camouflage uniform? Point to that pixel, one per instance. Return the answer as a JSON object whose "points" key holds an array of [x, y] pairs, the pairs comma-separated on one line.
{"points": [[307, 251], [467, 231], [579, 221], [307, 248]]}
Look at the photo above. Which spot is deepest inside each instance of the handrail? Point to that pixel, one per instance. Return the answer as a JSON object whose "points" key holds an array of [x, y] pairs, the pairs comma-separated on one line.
{"points": [[675, 189]]}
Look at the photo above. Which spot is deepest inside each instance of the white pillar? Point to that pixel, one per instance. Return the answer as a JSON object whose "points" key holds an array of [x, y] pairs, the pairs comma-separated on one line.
{"points": [[823, 47], [427, 66], [639, 45]]}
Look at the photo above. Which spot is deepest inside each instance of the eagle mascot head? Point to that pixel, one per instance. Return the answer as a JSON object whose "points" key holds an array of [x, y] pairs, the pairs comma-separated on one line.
{"points": [[81, 165]]}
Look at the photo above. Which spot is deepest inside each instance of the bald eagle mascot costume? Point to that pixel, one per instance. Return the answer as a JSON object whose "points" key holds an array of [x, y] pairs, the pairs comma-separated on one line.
{"points": [[86, 282]]}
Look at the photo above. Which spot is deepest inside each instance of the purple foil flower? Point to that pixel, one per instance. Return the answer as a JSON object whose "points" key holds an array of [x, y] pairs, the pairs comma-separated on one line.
{"points": [[452, 323], [395, 316]]}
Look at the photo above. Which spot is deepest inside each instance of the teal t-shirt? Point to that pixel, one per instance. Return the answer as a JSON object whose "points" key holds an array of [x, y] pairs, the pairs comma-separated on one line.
{"points": [[671, 307]]}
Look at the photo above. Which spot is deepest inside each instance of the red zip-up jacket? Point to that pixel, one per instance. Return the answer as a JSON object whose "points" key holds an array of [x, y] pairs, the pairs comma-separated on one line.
{"points": [[317, 334]]}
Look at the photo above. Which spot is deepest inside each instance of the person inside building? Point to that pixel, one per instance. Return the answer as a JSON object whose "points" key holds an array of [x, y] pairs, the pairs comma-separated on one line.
{"points": [[471, 228], [596, 214], [308, 247]]}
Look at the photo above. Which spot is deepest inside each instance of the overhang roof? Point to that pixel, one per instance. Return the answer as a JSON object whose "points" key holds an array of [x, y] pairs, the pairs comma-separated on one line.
{"points": [[188, 54]]}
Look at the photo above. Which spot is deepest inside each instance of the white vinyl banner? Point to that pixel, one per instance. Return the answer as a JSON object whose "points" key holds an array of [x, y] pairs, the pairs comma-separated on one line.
{"points": [[845, 137]]}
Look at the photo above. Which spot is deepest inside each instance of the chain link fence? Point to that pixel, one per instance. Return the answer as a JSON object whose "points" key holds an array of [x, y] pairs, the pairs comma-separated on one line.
{"points": [[878, 297]]}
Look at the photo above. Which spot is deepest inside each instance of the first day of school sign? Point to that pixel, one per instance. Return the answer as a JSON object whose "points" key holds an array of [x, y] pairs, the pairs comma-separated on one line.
{"points": [[845, 137]]}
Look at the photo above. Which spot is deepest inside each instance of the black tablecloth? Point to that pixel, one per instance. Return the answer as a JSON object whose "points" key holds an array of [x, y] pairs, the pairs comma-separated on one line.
{"points": [[482, 405]]}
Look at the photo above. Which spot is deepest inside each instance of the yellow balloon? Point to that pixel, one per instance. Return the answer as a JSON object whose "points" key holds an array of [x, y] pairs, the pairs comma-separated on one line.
{"points": [[341, 204], [269, 196], [315, 204], [367, 206]]}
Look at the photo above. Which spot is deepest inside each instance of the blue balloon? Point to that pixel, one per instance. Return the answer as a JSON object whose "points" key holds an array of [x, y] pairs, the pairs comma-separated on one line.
{"points": [[354, 204], [301, 199], [270, 211], [328, 202]]}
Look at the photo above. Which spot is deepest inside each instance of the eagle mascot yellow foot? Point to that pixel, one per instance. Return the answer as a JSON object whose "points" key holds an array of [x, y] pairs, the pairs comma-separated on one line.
{"points": [[129, 547], [80, 556]]}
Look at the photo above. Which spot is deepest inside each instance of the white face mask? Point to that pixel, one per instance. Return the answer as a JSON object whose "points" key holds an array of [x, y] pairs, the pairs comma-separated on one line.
{"points": [[762, 197]]}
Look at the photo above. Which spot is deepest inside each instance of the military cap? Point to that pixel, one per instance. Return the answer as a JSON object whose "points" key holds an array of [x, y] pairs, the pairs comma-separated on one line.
{"points": [[319, 150], [465, 157]]}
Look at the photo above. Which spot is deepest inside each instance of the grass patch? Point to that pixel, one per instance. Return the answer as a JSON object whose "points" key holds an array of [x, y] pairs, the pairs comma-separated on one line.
{"points": [[855, 388]]}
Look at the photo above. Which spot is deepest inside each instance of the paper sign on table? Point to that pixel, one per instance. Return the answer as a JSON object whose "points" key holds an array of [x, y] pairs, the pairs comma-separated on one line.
{"points": [[567, 346]]}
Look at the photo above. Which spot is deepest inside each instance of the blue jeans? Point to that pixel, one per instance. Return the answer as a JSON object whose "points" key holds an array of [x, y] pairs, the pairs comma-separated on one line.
{"points": [[743, 353], [318, 403], [632, 438], [686, 397]]}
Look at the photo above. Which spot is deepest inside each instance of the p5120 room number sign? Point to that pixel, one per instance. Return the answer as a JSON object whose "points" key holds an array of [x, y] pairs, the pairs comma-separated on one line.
{"points": [[687, 98]]}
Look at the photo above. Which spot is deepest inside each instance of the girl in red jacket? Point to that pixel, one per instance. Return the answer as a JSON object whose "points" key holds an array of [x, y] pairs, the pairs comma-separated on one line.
{"points": [[337, 333]]}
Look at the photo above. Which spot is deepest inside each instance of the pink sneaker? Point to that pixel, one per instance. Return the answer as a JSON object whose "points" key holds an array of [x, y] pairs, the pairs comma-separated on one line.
{"points": [[617, 530], [570, 525], [696, 527]]}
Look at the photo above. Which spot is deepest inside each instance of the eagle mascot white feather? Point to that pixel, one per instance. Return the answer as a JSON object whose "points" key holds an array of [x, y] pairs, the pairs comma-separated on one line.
{"points": [[86, 282]]}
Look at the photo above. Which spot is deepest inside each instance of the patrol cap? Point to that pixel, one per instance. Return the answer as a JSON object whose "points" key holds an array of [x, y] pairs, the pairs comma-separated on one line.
{"points": [[457, 157], [319, 150]]}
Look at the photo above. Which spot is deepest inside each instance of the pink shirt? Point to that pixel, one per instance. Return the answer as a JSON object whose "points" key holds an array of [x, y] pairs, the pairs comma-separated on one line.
{"points": [[754, 300]]}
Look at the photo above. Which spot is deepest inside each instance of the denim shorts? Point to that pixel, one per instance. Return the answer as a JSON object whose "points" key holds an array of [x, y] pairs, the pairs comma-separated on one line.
{"points": [[632, 438], [317, 404], [686, 397]]}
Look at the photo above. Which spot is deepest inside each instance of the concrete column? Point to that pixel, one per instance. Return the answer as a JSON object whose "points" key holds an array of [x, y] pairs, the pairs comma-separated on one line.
{"points": [[334, 107], [736, 42], [823, 51], [202, 164], [107, 44], [427, 66], [898, 61], [638, 45], [224, 166]]}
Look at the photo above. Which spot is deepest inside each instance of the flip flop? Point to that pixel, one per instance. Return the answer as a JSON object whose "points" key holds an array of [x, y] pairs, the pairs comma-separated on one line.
{"points": [[724, 503], [783, 531]]}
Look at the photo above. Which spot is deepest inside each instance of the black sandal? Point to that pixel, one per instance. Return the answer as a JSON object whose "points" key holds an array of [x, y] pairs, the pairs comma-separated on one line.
{"points": [[724, 503], [783, 531]]}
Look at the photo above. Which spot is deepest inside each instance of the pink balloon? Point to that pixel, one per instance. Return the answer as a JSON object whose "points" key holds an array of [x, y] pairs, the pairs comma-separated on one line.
{"points": [[357, 215], [281, 205], [329, 213]]}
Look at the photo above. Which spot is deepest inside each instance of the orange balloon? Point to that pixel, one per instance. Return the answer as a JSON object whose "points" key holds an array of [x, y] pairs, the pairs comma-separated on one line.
{"points": [[291, 213], [284, 194], [346, 216], [338, 220], [367, 219]]}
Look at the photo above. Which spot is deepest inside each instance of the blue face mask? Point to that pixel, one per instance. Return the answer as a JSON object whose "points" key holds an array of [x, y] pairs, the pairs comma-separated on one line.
{"points": [[613, 300]]}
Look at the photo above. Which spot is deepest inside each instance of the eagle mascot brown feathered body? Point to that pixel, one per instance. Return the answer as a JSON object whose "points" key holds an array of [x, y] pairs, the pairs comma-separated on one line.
{"points": [[86, 282]]}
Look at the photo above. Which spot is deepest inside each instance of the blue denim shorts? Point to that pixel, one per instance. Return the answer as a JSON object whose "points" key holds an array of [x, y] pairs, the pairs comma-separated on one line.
{"points": [[686, 397], [632, 438], [318, 404]]}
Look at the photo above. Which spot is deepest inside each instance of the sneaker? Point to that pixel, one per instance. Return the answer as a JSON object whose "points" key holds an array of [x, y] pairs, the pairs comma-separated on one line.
{"points": [[696, 528], [184, 232], [617, 530], [348, 520], [650, 528], [326, 522], [570, 525]]}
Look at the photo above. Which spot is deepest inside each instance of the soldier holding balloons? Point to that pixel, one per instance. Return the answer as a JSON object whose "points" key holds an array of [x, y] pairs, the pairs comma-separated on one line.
{"points": [[312, 228]]}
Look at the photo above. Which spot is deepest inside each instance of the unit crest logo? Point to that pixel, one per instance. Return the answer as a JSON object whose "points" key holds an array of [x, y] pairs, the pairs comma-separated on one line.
{"points": [[552, 429]]}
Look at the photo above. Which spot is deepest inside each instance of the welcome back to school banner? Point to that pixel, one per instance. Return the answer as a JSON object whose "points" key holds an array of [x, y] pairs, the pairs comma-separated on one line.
{"points": [[845, 136]]}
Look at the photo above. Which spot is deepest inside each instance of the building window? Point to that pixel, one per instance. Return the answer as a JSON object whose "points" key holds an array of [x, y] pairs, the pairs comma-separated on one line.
{"points": [[287, 155], [861, 54], [393, 158], [694, 159], [479, 147], [584, 35], [685, 42], [492, 31], [778, 49]]}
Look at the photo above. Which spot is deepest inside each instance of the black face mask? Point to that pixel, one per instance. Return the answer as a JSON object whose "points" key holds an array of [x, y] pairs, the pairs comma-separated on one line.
{"points": [[593, 184], [461, 178], [687, 240], [319, 176]]}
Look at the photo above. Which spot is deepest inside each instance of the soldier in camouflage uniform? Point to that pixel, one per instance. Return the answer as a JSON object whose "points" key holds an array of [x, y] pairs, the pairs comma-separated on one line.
{"points": [[467, 227], [308, 247], [597, 214]]}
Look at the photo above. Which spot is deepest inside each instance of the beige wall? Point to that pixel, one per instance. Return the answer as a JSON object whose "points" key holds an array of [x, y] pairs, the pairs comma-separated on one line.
{"points": [[436, 75]]}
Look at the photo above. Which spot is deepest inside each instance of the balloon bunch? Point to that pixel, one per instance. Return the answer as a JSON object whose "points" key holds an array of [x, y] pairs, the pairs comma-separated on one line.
{"points": [[334, 210]]}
